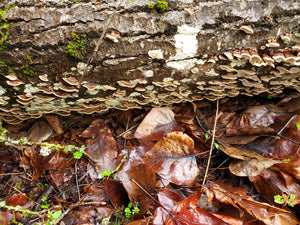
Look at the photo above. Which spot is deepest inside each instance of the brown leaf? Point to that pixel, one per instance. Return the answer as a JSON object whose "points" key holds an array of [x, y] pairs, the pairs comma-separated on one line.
{"points": [[94, 194], [250, 167], [39, 132], [101, 146], [55, 161], [116, 193], [157, 123], [144, 176], [17, 199], [6, 218], [55, 123], [275, 181], [238, 198], [185, 112], [172, 158]]}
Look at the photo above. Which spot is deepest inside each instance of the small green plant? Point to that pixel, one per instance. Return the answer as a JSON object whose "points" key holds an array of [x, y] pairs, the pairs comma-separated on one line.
{"points": [[285, 199], [4, 25], [76, 47], [45, 147], [45, 204], [64, 123], [206, 136], [108, 173], [130, 210], [47, 215], [298, 125], [217, 146]]}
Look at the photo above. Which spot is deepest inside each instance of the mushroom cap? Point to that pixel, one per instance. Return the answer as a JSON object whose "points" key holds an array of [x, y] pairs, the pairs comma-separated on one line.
{"points": [[14, 83], [11, 76], [71, 80], [248, 29], [44, 78]]}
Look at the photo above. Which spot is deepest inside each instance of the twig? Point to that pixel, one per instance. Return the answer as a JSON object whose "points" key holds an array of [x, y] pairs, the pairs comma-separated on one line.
{"points": [[91, 59], [76, 179], [212, 144], [282, 129]]}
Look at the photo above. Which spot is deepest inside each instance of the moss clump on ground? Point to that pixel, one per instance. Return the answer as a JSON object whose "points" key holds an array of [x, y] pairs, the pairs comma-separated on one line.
{"points": [[76, 47], [4, 25]]}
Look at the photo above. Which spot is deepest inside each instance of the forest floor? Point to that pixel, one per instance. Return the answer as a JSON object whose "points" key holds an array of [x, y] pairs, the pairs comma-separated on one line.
{"points": [[234, 161]]}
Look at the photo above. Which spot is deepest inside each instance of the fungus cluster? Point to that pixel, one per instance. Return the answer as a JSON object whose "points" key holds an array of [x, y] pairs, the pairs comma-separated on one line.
{"points": [[235, 72]]}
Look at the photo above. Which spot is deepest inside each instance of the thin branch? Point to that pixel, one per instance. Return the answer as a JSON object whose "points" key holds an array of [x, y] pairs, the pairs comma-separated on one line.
{"points": [[91, 59], [212, 144]]}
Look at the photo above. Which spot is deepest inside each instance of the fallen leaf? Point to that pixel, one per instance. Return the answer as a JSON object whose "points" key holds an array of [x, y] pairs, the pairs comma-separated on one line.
{"points": [[6, 218], [275, 181], [157, 123], [144, 176], [17, 199], [185, 112], [39, 132], [101, 146], [250, 167], [187, 213], [173, 158], [116, 193]]}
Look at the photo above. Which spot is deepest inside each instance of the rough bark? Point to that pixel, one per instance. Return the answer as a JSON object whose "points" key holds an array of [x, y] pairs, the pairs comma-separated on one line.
{"points": [[159, 59]]}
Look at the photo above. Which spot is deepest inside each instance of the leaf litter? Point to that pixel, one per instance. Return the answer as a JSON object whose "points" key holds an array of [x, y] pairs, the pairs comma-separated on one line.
{"points": [[152, 170]]}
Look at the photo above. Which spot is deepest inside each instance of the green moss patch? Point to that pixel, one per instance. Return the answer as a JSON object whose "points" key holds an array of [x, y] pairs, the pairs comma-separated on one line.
{"points": [[4, 25], [76, 47]]}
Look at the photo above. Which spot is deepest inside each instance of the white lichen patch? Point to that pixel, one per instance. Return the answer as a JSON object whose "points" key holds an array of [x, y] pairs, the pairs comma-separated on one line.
{"points": [[92, 92], [112, 102], [148, 73], [135, 94], [2, 90], [30, 89], [186, 80], [183, 64], [238, 63], [156, 54], [150, 87], [186, 42], [168, 79]]}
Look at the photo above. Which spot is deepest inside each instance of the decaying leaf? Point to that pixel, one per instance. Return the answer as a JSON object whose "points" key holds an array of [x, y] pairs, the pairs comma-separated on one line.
{"points": [[173, 158], [275, 181], [101, 146], [55, 161], [185, 112], [250, 167], [187, 213], [238, 198], [39, 132], [157, 123], [133, 179]]}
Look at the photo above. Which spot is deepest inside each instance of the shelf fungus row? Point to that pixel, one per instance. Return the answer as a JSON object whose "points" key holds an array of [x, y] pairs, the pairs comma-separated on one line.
{"points": [[235, 72]]}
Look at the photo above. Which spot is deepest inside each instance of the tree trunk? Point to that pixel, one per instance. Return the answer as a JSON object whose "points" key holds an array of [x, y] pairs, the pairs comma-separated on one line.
{"points": [[192, 50]]}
